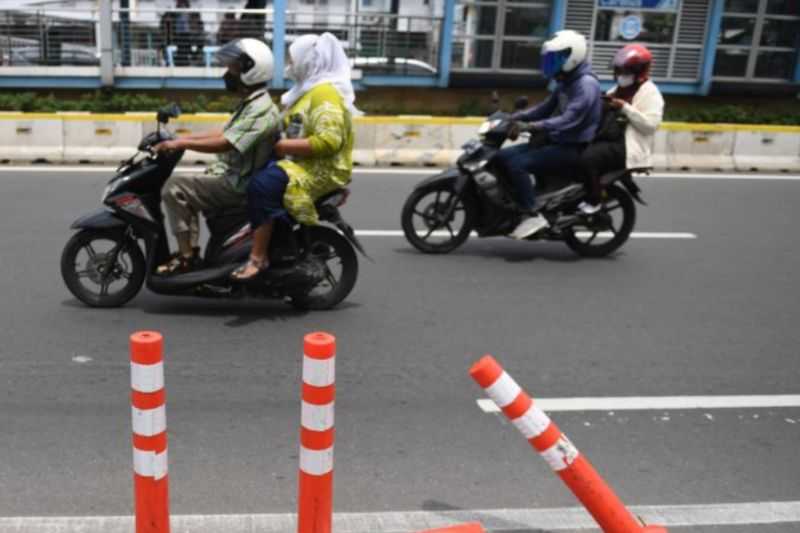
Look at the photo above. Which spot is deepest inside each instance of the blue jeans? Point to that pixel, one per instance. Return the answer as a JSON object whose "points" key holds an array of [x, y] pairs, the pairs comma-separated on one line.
{"points": [[519, 161], [265, 195]]}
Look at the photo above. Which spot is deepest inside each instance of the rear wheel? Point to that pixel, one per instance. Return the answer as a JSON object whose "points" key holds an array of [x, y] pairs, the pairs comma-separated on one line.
{"points": [[334, 256], [435, 220], [604, 232], [102, 268]]}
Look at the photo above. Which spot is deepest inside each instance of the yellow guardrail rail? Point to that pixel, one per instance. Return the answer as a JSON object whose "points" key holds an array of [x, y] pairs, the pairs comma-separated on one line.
{"points": [[411, 120]]}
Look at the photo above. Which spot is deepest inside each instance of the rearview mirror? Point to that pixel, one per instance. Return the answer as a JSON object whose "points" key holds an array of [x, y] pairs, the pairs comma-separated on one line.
{"points": [[167, 112]]}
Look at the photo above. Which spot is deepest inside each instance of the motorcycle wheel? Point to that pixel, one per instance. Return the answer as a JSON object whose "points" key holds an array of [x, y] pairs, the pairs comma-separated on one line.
{"points": [[340, 265], [89, 275], [424, 219], [604, 232]]}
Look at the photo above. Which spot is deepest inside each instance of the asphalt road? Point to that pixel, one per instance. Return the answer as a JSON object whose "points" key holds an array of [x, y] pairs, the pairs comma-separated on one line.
{"points": [[715, 315]]}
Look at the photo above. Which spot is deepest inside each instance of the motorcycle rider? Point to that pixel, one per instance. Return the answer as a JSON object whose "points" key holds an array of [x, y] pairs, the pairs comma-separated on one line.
{"points": [[568, 118], [640, 103], [242, 146]]}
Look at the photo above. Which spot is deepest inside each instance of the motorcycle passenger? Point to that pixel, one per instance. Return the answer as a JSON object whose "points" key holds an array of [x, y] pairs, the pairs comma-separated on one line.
{"points": [[318, 147], [242, 146], [639, 102], [568, 118]]}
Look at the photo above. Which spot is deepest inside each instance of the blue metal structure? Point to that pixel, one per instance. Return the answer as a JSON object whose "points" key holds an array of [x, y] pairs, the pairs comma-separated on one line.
{"points": [[279, 43], [446, 43], [558, 15], [710, 50]]}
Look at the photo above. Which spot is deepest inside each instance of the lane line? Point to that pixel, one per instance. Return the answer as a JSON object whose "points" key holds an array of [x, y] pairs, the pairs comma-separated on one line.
{"points": [[634, 235], [649, 403], [494, 520], [402, 171]]}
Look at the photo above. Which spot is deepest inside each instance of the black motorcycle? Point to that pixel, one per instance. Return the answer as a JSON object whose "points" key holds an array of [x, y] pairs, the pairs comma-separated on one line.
{"points": [[103, 264], [442, 211]]}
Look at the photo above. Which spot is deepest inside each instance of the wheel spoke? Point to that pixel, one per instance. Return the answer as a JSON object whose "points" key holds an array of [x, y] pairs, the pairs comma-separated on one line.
{"points": [[90, 251], [331, 278], [612, 229], [591, 239], [104, 284], [83, 273], [436, 201], [450, 229]]}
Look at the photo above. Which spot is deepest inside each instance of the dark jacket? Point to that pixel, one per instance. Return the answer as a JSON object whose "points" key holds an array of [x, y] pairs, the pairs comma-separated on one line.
{"points": [[572, 113]]}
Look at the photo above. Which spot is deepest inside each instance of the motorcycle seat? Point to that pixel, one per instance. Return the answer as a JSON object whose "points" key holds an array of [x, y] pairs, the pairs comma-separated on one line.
{"points": [[334, 198], [237, 211]]}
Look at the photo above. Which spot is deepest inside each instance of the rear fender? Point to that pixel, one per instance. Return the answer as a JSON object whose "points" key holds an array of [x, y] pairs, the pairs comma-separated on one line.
{"points": [[99, 219]]}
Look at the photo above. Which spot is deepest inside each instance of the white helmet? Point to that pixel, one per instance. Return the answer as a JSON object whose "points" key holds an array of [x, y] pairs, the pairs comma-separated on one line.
{"points": [[563, 53], [254, 57]]}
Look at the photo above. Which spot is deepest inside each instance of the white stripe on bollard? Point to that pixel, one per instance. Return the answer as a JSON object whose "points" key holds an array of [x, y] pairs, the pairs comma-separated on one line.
{"points": [[317, 417], [147, 378], [150, 464], [149, 422], [316, 462], [319, 372], [503, 391]]}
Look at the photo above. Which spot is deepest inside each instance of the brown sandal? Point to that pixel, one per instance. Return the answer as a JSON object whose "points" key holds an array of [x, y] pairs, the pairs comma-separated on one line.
{"points": [[250, 269], [179, 264]]}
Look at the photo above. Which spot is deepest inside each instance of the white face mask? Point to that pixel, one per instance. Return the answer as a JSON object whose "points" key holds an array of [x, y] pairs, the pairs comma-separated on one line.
{"points": [[626, 80]]}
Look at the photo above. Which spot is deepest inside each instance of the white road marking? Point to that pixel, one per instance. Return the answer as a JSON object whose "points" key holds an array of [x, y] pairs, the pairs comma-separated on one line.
{"points": [[634, 235], [402, 171], [645, 403], [494, 520]]}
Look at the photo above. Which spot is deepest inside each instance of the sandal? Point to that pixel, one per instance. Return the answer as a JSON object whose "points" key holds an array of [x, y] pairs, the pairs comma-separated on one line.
{"points": [[250, 269], [180, 264]]}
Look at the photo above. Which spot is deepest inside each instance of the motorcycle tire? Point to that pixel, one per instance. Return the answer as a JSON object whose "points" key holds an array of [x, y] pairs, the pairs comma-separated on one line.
{"points": [[412, 208], [589, 248], [327, 242], [130, 266]]}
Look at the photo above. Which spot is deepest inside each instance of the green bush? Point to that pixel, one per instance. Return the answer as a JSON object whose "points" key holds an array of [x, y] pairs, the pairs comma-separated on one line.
{"points": [[686, 110]]}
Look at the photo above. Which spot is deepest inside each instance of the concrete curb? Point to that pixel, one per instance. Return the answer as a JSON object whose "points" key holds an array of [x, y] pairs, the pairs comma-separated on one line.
{"points": [[387, 141]]}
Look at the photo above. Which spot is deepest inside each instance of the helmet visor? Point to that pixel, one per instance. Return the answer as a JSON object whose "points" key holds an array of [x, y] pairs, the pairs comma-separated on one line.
{"points": [[229, 53], [553, 62]]}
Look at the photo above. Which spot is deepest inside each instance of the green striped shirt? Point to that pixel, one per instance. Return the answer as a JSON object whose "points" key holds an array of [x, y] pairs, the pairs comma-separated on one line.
{"points": [[252, 130]]}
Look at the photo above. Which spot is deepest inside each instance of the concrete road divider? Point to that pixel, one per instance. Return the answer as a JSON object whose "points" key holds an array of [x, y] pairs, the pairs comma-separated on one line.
{"points": [[315, 500], [151, 493], [566, 461], [386, 141], [766, 151]]}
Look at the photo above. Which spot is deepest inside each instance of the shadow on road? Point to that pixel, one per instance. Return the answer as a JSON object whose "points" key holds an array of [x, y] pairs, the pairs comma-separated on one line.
{"points": [[498, 525], [515, 252], [244, 312]]}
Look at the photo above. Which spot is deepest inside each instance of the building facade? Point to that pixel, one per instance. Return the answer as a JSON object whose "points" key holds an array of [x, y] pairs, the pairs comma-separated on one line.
{"points": [[699, 45]]}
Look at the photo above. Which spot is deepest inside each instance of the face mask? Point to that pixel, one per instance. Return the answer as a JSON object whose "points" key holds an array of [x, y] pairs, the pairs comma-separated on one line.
{"points": [[626, 80], [232, 82]]}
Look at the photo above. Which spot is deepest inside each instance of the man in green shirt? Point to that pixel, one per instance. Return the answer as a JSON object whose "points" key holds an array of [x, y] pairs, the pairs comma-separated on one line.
{"points": [[243, 146]]}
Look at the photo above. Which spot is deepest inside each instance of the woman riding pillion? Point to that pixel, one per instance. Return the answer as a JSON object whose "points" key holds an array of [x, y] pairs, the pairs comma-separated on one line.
{"points": [[641, 105], [318, 155], [568, 119]]}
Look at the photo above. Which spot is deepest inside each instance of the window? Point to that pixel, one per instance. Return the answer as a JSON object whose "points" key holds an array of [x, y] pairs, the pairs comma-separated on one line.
{"points": [[625, 26], [758, 39], [500, 35]]}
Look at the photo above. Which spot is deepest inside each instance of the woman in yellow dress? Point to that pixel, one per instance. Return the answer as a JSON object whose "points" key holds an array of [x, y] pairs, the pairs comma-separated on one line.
{"points": [[317, 154]]}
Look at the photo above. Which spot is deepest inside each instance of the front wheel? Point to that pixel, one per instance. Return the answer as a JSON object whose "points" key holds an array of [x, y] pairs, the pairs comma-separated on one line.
{"points": [[435, 220], [604, 232], [102, 268], [330, 252]]}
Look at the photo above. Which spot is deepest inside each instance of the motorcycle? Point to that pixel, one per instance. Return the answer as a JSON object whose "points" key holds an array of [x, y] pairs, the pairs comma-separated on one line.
{"points": [[442, 211], [103, 264]]}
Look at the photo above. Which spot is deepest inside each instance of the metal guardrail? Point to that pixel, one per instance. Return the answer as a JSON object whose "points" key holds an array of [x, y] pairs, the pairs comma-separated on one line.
{"points": [[378, 43]]}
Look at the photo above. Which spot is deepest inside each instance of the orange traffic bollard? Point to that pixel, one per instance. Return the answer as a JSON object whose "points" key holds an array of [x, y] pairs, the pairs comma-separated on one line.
{"points": [[150, 482], [472, 527], [562, 456], [315, 501]]}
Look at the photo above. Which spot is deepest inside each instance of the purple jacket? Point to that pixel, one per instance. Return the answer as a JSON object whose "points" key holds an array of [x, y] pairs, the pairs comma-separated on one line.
{"points": [[572, 113]]}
